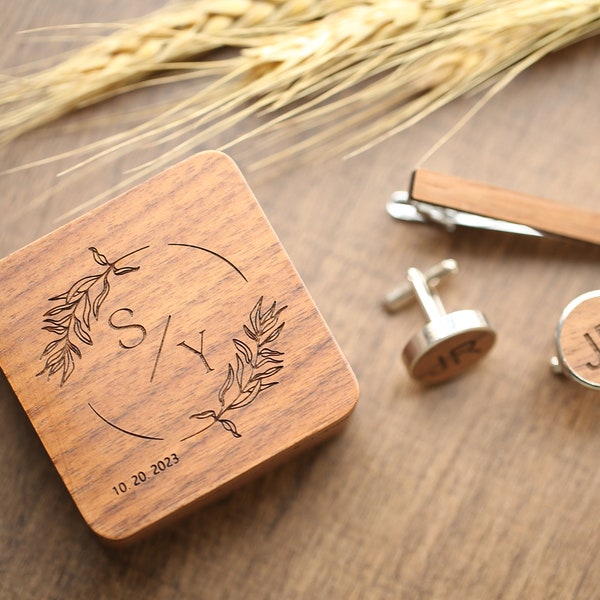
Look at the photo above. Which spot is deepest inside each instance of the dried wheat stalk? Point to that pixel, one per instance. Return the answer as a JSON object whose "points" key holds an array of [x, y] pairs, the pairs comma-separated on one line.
{"points": [[406, 77], [370, 70], [135, 50], [364, 71], [281, 68]]}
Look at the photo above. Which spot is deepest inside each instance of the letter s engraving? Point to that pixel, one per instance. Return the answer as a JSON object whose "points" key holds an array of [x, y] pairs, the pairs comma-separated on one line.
{"points": [[133, 340]]}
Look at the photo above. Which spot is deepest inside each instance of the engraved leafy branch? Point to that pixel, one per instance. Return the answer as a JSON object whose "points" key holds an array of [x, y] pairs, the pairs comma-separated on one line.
{"points": [[70, 320], [255, 363]]}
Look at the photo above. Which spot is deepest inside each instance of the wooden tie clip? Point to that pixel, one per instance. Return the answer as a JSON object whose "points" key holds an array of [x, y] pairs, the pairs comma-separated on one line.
{"points": [[452, 201]]}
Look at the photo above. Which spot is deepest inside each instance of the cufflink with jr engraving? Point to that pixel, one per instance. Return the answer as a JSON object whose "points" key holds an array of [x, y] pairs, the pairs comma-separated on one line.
{"points": [[451, 342], [578, 341]]}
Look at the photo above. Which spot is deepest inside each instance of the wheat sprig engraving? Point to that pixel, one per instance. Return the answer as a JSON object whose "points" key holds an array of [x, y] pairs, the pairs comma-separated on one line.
{"points": [[70, 320], [255, 363]]}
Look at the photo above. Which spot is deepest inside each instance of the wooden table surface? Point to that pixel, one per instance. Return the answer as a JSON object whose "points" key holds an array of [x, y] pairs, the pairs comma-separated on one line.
{"points": [[484, 487]]}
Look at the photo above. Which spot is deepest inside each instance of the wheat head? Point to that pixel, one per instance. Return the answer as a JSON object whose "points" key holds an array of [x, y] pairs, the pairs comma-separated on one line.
{"points": [[284, 67], [347, 73], [134, 51]]}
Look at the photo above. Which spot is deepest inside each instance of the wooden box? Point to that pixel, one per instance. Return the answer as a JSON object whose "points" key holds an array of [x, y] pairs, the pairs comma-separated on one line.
{"points": [[165, 348]]}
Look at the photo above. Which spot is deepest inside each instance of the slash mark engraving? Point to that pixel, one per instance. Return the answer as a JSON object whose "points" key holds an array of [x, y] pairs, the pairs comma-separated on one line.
{"points": [[160, 348]]}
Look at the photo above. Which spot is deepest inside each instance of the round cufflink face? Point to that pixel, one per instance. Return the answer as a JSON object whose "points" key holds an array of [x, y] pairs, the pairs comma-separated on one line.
{"points": [[448, 346], [578, 339]]}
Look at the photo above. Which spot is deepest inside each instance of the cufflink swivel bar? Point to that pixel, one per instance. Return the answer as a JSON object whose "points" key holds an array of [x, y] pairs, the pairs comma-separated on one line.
{"points": [[405, 294], [452, 201]]}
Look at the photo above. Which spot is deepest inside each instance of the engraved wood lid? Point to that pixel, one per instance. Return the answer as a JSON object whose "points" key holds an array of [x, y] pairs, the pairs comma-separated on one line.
{"points": [[165, 349]]}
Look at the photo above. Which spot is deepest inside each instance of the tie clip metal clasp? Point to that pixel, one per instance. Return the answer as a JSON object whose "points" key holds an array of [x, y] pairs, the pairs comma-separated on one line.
{"points": [[452, 202]]}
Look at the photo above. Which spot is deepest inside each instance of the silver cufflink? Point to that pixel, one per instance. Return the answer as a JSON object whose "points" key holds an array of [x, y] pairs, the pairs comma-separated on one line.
{"points": [[578, 341], [449, 343]]}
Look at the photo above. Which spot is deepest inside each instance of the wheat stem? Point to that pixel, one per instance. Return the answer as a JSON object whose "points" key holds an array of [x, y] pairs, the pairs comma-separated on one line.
{"points": [[164, 38], [351, 72]]}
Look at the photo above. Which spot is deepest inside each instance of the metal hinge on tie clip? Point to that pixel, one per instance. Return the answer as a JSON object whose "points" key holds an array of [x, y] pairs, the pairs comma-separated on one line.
{"points": [[452, 201]]}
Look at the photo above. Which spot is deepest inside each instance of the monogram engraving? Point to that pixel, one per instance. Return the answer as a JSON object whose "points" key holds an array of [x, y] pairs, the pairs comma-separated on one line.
{"points": [[77, 312]]}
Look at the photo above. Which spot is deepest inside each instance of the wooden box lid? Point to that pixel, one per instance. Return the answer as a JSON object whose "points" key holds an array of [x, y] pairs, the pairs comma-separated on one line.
{"points": [[165, 348]]}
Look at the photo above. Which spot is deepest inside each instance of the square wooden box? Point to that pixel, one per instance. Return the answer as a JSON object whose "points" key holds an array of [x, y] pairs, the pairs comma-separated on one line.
{"points": [[165, 348]]}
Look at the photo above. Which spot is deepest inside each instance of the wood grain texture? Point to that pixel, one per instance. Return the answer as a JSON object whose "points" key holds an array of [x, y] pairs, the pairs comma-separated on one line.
{"points": [[140, 368], [507, 205], [485, 487]]}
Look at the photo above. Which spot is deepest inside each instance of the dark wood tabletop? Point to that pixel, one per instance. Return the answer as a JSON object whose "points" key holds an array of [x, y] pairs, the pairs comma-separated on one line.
{"points": [[486, 486]]}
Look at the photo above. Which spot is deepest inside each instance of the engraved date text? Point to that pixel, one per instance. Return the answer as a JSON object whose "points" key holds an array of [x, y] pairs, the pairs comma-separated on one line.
{"points": [[141, 477]]}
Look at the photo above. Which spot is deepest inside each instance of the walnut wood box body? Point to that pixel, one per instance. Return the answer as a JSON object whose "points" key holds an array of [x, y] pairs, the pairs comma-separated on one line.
{"points": [[165, 348]]}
